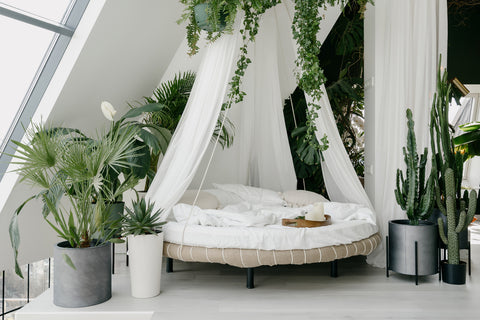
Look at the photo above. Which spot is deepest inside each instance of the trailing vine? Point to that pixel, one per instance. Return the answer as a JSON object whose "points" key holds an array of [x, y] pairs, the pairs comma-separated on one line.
{"points": [[305, 27]]}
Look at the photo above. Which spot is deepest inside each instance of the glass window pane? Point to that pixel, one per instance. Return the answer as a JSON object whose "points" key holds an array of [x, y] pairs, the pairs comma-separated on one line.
{"points": [[15, 289], [23, 49], [38, 278], [51, 9]]}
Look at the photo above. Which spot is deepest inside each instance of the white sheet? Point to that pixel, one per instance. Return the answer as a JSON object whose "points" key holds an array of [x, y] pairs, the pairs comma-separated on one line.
{"points": [[250, 226]]}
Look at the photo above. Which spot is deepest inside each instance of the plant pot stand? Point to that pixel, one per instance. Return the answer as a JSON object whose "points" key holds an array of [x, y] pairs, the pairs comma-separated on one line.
{"points": [[412, 249]]}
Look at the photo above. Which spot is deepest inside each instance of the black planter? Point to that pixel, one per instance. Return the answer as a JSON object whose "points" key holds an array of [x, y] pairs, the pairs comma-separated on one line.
{"points": [[412, 249], [89, 283], [454, 273]]}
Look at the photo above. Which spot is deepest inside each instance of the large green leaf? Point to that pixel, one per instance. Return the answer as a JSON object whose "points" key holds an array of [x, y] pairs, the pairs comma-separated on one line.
{"points": [[151, 107]]}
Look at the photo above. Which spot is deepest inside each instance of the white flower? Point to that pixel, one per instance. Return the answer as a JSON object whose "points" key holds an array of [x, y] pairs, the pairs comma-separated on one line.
{"points": [[108, 110]]}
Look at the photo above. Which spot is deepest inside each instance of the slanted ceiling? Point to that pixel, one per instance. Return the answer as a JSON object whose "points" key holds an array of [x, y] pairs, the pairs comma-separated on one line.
{"points": [[123, 48]]}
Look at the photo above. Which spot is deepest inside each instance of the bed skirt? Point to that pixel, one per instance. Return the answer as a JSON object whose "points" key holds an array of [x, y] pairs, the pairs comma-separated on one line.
{"points": [[250, 258]]}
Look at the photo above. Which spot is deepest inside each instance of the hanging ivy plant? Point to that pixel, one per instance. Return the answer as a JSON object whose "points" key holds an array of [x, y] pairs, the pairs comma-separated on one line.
{"points": [[220, 15]]}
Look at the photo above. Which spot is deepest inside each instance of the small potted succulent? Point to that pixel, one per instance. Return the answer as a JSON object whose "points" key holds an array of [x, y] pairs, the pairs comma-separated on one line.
{"points": [[412, 244], [143, 229]]}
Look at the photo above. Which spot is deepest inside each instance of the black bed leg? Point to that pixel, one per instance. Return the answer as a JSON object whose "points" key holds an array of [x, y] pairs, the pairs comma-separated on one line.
{"points": [[250, 281], [387, 256], [333, 269], [169, 267]]}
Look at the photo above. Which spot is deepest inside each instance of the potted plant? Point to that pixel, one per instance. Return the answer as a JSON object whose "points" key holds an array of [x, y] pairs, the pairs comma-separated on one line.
{"points": [[448, 166], [412, 243], [69, 169], [143, 230]]}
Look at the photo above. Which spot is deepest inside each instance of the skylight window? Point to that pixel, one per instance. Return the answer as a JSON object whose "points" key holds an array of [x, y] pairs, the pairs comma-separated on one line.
{"points": [[34, 36], [50, 9]]}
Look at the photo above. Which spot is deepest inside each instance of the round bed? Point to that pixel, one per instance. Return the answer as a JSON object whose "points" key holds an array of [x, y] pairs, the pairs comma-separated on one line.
{"points": [[250, 247]]}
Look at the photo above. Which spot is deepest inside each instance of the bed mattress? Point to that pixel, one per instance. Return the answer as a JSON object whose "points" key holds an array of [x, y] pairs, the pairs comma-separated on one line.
{"points": [[272, 237]]}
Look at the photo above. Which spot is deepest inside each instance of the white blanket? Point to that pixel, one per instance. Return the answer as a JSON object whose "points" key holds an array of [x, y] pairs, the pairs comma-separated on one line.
{"points": [[247, 214], [249, 226]]}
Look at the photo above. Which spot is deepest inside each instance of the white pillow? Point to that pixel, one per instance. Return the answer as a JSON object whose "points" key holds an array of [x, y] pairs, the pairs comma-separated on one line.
{"points": [[224, 198], [253, 195], [205, 200], [301, 198]]}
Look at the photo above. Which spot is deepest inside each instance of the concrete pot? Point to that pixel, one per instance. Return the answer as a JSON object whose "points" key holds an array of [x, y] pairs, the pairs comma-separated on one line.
{"points": [[89, 283], [145, 262], [402, 237]]}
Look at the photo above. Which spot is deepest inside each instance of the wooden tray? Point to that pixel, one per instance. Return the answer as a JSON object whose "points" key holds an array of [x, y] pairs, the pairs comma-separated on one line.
{"points": [[302, 223]]}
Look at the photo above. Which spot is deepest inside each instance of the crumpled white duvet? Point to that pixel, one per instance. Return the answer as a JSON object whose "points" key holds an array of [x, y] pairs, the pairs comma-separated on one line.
{"points": [[253, 226]]}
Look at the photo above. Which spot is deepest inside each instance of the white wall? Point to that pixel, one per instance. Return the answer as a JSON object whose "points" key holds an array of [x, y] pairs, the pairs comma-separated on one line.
{"points": [[119, 52]]}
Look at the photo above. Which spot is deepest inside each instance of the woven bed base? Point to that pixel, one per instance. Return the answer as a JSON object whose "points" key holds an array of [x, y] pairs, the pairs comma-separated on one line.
{"points": [[250, 258]]}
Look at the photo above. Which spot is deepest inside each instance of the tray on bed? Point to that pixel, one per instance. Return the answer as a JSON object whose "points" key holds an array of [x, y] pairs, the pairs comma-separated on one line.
{"points": [[302, 223]]}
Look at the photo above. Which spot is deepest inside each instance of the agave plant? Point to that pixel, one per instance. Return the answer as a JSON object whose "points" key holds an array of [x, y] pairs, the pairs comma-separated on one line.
{"points": [[141, 219]]}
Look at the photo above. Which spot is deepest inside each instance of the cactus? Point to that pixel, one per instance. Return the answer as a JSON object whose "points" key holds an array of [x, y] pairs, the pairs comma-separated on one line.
{"points": [[455, 224], [411, 193], [447, 166]]}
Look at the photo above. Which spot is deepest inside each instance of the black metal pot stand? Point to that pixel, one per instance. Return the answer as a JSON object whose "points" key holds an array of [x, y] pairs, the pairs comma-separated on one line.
{"points": [[412, 249]]}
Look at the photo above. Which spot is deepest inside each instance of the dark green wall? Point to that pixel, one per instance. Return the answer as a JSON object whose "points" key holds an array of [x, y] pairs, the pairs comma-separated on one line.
{"points": [[464, 45]]}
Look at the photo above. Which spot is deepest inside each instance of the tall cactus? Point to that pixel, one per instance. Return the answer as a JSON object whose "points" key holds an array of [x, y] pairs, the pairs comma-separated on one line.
{"points": [[412, 194], [447, 166], [454, 225]]}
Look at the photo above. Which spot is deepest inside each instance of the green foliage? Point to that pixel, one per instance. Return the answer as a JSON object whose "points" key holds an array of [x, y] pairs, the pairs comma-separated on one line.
{"points": [[448, 169], [413, 194], [305, 27], [141, 219], [344, 70], [171, 97], [63, 162], [469, 142]]}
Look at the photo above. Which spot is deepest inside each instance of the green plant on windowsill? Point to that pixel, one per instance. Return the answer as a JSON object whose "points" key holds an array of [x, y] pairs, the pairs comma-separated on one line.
{"points": [[305, 27]]}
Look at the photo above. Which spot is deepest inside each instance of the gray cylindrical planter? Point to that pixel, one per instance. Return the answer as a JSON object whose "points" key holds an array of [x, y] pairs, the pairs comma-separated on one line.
{"points": [[89, 283], [402, 237]]}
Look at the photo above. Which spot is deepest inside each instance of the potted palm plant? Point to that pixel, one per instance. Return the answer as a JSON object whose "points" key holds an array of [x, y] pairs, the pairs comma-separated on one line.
{"points": [[70, 169], [143, 230], [412, 244]]}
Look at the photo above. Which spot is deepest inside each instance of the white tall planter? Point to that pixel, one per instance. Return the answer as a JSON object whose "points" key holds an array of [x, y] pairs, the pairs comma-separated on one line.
{"points": [[145, 254]]}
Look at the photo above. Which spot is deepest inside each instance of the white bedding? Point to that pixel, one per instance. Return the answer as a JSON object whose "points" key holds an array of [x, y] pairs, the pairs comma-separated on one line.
{"points": [[254, 226]]}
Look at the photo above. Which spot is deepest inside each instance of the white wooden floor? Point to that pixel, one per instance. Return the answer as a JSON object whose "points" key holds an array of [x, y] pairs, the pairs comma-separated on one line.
{"points": [[210, 291]]}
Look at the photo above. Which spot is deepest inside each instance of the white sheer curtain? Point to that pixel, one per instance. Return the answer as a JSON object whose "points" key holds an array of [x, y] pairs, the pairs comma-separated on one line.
{"points": [[409, 35], [340, 177], [260, 155], [195, 129]]}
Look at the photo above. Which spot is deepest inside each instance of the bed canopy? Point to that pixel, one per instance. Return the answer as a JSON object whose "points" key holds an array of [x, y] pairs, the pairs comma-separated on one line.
{"points": [[260, 155]]}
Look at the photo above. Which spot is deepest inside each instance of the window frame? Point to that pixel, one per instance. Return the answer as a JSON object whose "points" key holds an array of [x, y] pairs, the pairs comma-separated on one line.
{"points": [[45, 72]]}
